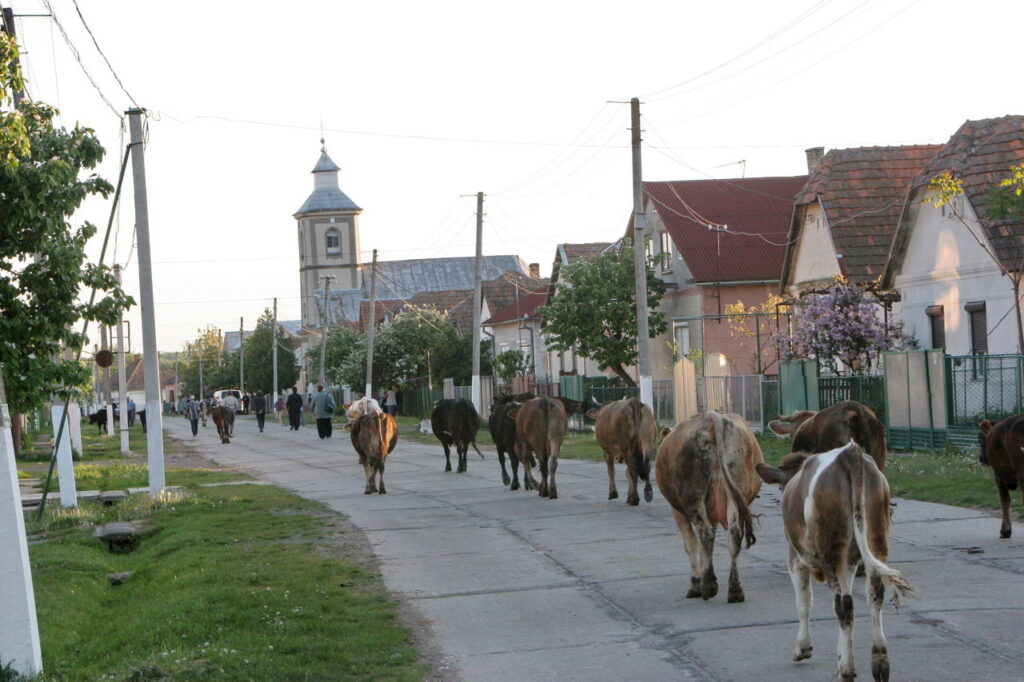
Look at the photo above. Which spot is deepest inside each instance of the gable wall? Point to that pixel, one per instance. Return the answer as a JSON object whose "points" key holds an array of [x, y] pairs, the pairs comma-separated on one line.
{"points": [[815, 259]]}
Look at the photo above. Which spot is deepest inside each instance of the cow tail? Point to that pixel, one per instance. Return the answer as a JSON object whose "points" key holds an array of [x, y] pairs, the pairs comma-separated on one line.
{"points": [[473, 443], [892, 578], [640, 464], [381, 441], [746, 519]]}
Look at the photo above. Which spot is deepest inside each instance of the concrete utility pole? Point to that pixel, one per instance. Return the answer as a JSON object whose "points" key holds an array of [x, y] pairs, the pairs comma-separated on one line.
{"points": [[373, 327], [477, 296], [154, 413], [8, 28], [19, 628], [122, 380], [273, 340], [643, 340], [107, 393], [324, 328], [241, 355]]}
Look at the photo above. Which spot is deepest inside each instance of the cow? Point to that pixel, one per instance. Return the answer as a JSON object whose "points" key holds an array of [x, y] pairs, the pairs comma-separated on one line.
{"points": [[540, 429], [835, 509], [706, 470], [141, 414], [358, 408], [1001, 449], [224, 420], [626, 432], [100, 420], [833, 427], [374, 436], [455, 422], [503, 433]]}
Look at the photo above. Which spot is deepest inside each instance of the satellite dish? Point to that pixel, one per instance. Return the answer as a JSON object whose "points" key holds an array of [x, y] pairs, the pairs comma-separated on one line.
{"points": [[104, 358]]}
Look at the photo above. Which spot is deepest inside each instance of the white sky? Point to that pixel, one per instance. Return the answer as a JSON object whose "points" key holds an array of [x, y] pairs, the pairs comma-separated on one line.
{"points": [[424, 102]]}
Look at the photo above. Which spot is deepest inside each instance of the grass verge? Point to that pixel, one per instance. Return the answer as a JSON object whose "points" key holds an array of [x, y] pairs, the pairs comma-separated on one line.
{"points": [[234, 583]]}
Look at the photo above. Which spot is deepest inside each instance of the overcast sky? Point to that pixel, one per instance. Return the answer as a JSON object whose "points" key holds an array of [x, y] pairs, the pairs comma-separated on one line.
{"points": [[421, 103]]}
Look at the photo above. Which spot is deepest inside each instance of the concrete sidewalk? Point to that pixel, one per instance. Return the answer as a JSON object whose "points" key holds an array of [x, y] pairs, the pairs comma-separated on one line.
{"points": [[518, 587]]}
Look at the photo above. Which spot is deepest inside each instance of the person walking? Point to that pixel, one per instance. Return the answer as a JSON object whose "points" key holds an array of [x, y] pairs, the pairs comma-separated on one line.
{"points": [[131, 412], [192, 414], [294, 405], [391, 401], [323, 410], [279, 410], [259, 406]]}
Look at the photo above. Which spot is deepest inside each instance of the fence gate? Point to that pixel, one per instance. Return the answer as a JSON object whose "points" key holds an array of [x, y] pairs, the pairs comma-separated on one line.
{"points": [[798, 386], [915, 399]]}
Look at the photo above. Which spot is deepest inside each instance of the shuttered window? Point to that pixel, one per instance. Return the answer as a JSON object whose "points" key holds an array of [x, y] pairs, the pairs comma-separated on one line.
{"points": [[937, 322], [979, 327]]}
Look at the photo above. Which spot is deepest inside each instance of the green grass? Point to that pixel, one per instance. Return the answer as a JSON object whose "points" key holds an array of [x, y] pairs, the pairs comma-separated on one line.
{"points": [[234, 583], [121, 475], [95, 446]]}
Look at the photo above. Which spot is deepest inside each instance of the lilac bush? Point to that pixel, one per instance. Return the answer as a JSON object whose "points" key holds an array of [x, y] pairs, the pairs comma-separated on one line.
{"points": [[841, 329]]}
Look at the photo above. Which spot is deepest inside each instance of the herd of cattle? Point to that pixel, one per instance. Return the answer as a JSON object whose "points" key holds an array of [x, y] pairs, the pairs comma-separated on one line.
{"points": [[835, 499]]}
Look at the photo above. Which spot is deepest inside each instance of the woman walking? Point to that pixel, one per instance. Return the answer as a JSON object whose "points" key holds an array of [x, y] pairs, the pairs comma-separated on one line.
{"points": [[259, 406]]}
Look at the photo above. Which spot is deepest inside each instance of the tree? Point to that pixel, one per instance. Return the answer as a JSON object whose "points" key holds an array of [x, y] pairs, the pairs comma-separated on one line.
{"points": [[760, 324], [259, 359], [839, 325], [343, 343], [1003, 202], [511, 364], [43, 273], [206, 350], [596, 311]]}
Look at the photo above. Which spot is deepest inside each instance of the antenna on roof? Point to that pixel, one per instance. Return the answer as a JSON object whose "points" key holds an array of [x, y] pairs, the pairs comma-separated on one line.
{"points": [[742, 163]]}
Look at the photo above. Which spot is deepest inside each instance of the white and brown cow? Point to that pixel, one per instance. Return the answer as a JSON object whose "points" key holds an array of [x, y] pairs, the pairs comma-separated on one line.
{"points": [[835, 508], [374, 436], [706, 471], [627, 432], [541, 424], [834, 427]]}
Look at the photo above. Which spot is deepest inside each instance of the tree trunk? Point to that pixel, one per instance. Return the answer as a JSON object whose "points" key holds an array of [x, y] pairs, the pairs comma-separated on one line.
{"points": [[16, 432], [621, 372]]}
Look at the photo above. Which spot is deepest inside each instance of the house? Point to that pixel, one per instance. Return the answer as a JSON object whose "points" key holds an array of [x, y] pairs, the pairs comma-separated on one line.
{"points": [[943, 260], [135, 382], [721, 241], [517, 326]]}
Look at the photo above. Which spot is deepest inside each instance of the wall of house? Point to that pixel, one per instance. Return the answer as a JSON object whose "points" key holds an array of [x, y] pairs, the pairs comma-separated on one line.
{"points": [[815, 258], [510, 336], [315, 262], [944, 265]]}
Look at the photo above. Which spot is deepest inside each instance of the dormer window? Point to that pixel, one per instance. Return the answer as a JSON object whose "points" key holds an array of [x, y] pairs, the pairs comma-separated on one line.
{"points": [[333, 242]]}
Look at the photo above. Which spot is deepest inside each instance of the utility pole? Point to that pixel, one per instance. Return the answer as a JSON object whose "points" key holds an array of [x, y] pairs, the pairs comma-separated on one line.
{"points": [[273, 340], [8, 28], [241, 355], [373, 327], [477, 295], [122, 380], [324, 327], [643, 340], [154, 413], [107, 394]]}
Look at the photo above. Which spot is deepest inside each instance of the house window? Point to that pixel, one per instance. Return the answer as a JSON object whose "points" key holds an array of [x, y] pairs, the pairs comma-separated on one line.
{"points": [[937, 322], [682, 338], [666, 250], [979, 327], [333, 242]]}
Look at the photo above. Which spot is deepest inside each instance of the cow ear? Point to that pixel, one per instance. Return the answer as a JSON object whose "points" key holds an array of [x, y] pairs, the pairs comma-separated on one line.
{"points": [[592, 413], [770, 474], [985, 427], [781, 428], [511, 414]]}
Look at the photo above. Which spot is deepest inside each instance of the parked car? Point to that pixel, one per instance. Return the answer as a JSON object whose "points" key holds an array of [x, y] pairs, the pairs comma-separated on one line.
{"points": [[218, 397]]}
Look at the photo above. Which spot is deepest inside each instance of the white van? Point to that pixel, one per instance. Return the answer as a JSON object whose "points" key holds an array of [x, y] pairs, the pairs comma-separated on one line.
{"points": [[218, 397]]}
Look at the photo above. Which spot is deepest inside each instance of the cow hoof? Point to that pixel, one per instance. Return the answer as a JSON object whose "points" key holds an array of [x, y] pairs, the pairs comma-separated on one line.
{"points": [[613, 495], [1005, 533], [505, 479], [542, 492], [736, 596], [803, 653], [514, 486], [552, 494], [634, 501], [693, 593], [368, 492], [709, 590], [382, 491], [448, 467], [648, 494]]}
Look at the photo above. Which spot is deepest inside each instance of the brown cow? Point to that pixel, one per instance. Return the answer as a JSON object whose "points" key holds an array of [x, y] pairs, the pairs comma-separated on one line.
{"points": [[834, 427], [1001, 449], [706, 471], [626, 432], [540, 429], [224, 420], [835, 508], [374, 436]]}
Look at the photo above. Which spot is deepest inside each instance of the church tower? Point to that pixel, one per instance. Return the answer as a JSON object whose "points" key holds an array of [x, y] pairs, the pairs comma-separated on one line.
{"points": [[328, 227]]}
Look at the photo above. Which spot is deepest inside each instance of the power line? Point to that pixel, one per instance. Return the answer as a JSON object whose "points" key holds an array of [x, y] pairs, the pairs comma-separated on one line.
{"points": [[109, 66]]}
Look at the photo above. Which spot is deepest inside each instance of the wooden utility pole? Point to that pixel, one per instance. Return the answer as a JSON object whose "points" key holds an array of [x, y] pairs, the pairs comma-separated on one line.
{"points": [[122, 379], [241, 355], [477, 295], [324, 329], [643, 340], [107, 394], [8, 28], [373, 326], [154, 408], [273, 340]]}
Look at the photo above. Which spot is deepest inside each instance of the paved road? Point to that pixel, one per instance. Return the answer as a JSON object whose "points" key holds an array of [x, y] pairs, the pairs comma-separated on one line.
{"points": [[582, 588]]}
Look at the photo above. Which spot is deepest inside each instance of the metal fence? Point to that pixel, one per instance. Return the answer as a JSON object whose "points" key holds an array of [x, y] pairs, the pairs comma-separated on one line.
{"points": [[755, 397], [983, 387], [867, 389]]}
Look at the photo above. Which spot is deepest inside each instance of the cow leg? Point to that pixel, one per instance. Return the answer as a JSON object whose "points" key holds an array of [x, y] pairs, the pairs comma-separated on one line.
{"points": [[632, 496], [380, 470], [692, 551], [523, 455], [463, 451], [735, 542], [879, 652], [447, 456], [1004, 501], [552, 469], [613, 492], [842, 586], [543, 475], [706, 535], [371, 475], [800, 575], [504, 474]]}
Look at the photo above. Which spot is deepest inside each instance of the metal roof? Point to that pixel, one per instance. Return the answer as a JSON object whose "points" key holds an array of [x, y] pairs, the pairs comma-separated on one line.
{"points": [[325, 164]]}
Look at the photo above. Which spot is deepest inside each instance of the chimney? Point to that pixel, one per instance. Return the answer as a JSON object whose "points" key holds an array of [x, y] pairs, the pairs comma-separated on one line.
{"points": [[814, 157], [535, 270]]}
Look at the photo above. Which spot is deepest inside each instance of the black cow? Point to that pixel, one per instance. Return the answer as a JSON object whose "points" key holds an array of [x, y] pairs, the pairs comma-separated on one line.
{"points": [[141, 414], [455, 422], [503, 433], [100, 420]]}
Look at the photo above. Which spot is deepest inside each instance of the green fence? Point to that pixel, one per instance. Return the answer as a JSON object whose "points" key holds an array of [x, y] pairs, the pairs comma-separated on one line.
{"points": [[983, 387], [419, 401], [868, 389]]}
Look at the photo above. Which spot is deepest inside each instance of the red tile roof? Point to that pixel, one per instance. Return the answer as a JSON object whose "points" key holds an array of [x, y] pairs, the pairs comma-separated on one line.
{"points": [[502, 291], [526, 306], [980, 154], [862, 191], [759, 208]]}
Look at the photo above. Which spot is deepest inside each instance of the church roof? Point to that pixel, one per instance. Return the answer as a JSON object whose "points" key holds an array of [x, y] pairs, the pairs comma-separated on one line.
{"points": [[325, 164], [326, 195], [406, 278]]}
